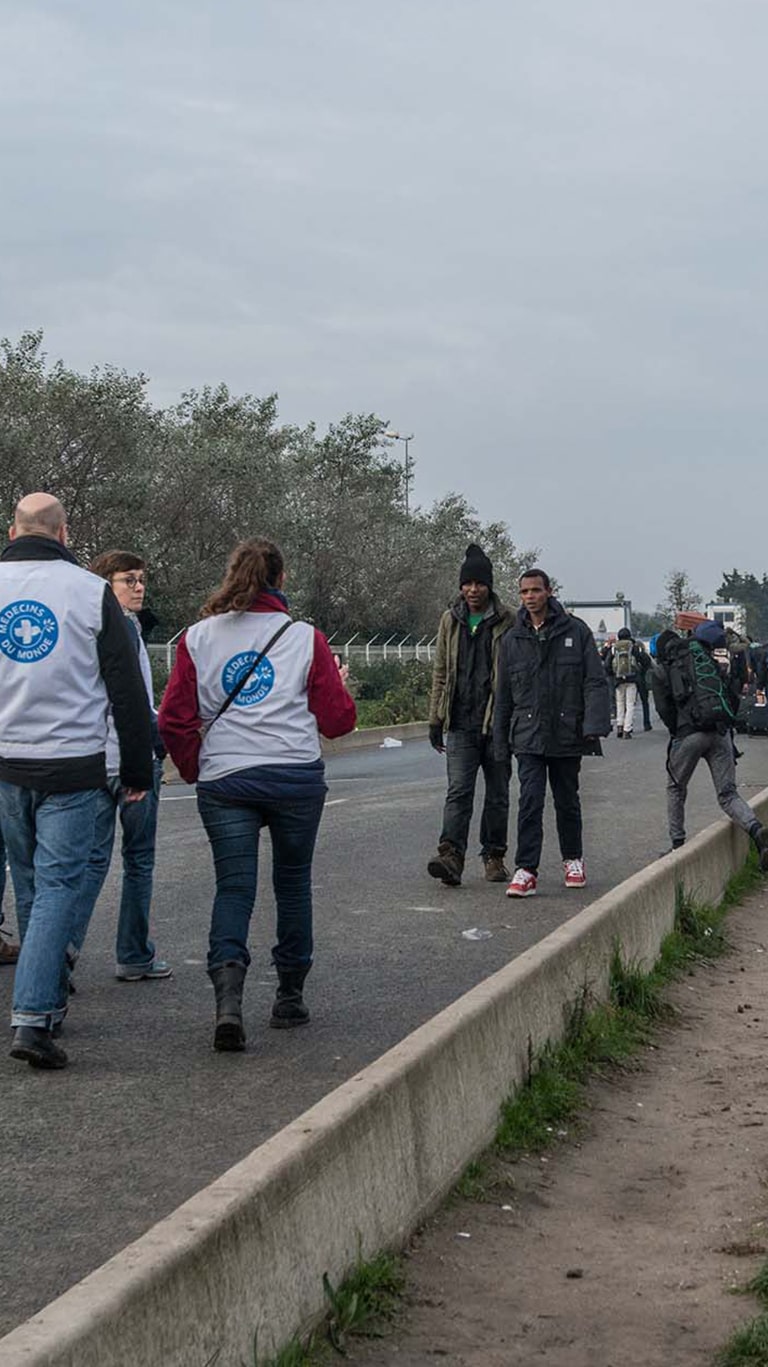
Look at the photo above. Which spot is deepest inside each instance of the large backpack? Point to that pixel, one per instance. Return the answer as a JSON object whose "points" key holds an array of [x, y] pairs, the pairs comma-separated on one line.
{"points": [[698, 686], [623, 663]]}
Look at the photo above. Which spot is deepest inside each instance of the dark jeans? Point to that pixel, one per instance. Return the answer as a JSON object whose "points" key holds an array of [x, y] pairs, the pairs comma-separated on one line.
{"points": [[233, 830], [563, 773], [467, 752]]}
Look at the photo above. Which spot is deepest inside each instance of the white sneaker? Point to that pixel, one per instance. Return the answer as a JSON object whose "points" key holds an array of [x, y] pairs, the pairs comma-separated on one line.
{"points": [[523, 884], [575, 877]]}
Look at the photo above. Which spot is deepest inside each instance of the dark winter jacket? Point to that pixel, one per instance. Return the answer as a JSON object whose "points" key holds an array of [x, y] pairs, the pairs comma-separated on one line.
{"points": [[465, 669], [552, 692]]}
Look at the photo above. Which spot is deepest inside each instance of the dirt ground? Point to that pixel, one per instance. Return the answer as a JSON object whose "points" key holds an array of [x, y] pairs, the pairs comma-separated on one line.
{"points": [[621, 1246]]}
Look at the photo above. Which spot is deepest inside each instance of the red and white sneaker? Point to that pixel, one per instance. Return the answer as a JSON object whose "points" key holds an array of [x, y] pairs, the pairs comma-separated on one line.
{"points": [[523, 884], [575, 877]]}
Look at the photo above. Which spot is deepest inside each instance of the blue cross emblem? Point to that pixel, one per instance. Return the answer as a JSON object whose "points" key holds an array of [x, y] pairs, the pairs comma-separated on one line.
{"points": [[28, 631]]}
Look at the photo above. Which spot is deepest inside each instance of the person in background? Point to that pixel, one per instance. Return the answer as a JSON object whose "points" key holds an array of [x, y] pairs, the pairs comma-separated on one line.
{"points": [[552, 705], [697, 699], [249, 696], [461, 721], [625, 663], [135, 955]]}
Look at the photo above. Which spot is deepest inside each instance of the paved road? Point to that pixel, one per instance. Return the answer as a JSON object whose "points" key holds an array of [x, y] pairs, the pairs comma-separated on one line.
{"points": [[147, 1113]]}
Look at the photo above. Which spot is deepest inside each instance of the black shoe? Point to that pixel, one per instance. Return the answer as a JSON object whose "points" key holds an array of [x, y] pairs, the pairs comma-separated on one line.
{"points": [[647, 726], [761, 841], [619, 732], [289, 1008], [448, 864], [37, 1048], [228, 980], [676, 845], [627, 735]]}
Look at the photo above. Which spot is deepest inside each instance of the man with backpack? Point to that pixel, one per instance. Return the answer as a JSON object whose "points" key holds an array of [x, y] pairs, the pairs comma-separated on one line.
{"points": [[626, 663], [697, 698]]}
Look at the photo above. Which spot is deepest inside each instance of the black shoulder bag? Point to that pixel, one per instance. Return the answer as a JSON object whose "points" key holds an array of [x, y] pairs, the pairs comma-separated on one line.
{"points": [[242, 681]]}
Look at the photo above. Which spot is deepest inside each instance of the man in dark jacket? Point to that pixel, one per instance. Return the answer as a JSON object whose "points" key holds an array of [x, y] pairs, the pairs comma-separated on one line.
{"points": [[694, 736], [461, 718], [65, 656], [552, 704]]}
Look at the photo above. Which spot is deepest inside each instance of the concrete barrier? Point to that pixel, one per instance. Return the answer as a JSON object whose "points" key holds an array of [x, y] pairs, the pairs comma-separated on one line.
{"points": [[356, 740], [361, 1169]]}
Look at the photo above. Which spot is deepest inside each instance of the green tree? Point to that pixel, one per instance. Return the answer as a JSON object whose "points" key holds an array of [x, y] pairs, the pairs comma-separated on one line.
{"points": [[752, 594], [679, 596]]}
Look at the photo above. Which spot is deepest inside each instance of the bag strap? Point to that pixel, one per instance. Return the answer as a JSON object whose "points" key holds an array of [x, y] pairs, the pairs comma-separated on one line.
{"points": [[242, 681]]}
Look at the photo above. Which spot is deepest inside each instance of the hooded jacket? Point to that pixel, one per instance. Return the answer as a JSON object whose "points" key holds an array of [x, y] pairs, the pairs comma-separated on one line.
{"points": [[462, 673], [552, 691]]}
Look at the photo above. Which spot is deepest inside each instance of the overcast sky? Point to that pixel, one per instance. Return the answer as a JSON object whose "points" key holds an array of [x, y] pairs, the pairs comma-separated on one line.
{"points": [[531, 232]]}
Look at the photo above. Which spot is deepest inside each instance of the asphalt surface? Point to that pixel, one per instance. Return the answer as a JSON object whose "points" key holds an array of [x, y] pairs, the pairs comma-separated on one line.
{"points": [[147, 1113]]}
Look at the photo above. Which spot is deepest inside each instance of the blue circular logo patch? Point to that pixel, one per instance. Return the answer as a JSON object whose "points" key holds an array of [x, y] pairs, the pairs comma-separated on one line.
{"points": [[28, 631], [259, 685]]}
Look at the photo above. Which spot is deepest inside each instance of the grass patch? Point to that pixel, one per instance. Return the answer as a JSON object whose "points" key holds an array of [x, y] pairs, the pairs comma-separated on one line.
{"points": [[748, 1347], [361, 1306], [365, 1301], [602, 1036]]}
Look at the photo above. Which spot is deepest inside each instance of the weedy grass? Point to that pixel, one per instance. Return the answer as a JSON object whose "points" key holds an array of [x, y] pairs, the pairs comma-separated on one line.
{"points": [[748, 1347], [361, 1306], [601, 1036]]}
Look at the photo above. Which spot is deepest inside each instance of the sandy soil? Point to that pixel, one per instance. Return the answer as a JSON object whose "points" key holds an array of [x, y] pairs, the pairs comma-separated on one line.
{"points": [[620, 1247]]}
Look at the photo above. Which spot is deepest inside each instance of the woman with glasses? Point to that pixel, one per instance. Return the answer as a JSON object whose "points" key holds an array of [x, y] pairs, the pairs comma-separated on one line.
{"points": [[250, 694], [135, 952]]}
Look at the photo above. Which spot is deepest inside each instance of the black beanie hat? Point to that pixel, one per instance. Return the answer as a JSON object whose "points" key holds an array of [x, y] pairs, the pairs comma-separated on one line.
{"points": [[624, 635], [476, 567]]}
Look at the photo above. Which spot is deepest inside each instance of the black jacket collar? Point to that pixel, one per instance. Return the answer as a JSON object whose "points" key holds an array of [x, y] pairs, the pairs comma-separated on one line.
{"points": [[37, 548], [556, 620]]}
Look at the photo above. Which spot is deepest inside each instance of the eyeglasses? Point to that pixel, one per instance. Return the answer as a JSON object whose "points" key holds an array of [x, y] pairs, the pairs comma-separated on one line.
{"points": [[131, 580]]}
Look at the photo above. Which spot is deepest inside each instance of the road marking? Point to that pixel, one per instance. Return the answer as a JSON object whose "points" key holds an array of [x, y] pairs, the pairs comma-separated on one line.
{"points": [[424, 908], [334, 802]]}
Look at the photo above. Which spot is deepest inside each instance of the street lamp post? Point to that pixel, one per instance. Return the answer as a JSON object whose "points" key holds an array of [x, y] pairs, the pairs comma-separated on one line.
{"points": [[396, 436]]}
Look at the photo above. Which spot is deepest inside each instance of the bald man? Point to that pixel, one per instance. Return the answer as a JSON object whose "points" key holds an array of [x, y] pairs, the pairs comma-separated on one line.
{"points": [[66, 656]]}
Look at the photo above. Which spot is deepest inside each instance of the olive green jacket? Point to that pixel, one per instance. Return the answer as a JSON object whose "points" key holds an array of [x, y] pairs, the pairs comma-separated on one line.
{"points": [[445, 668]]}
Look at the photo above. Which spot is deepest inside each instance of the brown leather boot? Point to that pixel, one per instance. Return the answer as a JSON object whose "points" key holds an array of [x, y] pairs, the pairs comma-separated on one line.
{"points": [[448, 864], [496, 870], [9, 950]]}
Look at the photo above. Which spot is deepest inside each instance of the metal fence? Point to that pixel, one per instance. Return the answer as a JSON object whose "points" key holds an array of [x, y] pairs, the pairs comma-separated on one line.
{"points": [[354, 651]]}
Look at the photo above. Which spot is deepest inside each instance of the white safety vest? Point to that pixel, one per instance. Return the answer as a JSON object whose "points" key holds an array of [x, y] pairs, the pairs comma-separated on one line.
{"points": [[53, 699], [269, 722]]}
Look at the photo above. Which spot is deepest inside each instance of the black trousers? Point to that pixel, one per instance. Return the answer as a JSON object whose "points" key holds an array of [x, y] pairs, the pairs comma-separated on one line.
{"points": [[563, 772], [467, 752]]}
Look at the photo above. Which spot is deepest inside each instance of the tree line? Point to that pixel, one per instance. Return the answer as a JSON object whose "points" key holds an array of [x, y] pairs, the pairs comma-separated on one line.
{"points": [[183, 484]]}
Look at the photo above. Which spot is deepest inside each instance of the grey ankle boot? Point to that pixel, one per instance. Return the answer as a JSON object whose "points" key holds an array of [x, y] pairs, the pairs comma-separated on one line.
{"points": [[289, 1008], [228, 980]]}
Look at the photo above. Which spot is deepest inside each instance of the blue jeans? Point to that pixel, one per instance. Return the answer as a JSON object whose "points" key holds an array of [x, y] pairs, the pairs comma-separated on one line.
{"points": [[3, 857], [139, 822], [49, 837], [233, 830], [467, 752]]}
